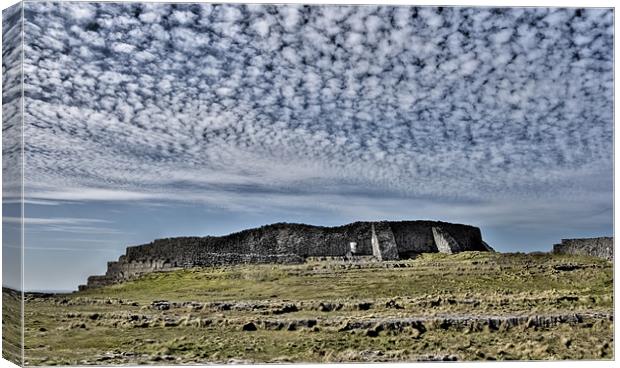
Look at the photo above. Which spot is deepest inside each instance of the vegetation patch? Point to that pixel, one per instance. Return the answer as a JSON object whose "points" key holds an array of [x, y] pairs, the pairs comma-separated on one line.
{"points": [[467, 306]]}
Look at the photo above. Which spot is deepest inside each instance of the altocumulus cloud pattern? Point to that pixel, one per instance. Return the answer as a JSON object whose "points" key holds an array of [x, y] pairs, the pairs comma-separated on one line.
{"points": [[221, 104]]}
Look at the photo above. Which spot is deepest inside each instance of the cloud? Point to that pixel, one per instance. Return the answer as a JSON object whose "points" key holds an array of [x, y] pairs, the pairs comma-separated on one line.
{"points": [[51, 221], [231, 105], [86, 194], [68, 249], [11, 103], [62, 224], [39, 202]]}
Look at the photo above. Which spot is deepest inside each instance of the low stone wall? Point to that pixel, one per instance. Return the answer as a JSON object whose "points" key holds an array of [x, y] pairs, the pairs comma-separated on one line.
{"points": [[597, 247]]}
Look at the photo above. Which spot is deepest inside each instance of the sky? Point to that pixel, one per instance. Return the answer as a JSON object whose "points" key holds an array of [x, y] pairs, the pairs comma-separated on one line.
{"points": [[151, 120]]}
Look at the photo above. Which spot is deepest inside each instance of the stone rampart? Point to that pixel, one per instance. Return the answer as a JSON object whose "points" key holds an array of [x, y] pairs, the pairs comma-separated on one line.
{"points": [[289, 243], [597, 247], [415, 237]]}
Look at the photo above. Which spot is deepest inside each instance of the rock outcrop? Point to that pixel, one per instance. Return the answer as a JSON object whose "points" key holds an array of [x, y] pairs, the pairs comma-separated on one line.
{"points": [[294, 243], [596, 247]]}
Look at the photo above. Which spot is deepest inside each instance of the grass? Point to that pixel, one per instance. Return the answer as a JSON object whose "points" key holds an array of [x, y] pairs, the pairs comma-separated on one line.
{"points": [[431, 273], [118, 324], [11, 326]]}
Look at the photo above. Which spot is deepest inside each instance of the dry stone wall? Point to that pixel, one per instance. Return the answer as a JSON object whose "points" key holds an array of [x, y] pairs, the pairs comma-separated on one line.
{"points": [[597, 247], [388, 250], [415, 237], [445, 242], [288, 243]]}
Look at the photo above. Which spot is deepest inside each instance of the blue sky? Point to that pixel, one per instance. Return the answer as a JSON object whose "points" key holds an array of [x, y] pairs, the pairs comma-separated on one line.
{"points": [[151, 120]]}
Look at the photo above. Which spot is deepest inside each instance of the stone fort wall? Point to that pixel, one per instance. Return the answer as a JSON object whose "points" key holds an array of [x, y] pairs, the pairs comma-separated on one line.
{"points": [[292, 243], [597, 247]]}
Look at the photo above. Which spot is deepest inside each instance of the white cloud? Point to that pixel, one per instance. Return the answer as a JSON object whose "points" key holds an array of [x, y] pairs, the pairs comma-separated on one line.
{"points": [[502, 36], [81, 12], [150, 17], [262, 27], [288, 100], [469, 67], [123, 47], [51, 221], [183, 17]]}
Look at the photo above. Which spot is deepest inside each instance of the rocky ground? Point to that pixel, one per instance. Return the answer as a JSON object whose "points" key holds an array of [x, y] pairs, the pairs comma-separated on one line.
{"points": [[468, 306]]}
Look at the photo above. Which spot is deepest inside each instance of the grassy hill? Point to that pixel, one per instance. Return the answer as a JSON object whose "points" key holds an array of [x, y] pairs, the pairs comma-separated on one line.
{"points": [[467, 306]]}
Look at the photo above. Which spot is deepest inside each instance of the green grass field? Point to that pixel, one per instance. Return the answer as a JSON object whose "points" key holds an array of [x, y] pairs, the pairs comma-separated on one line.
{"points": [[468, 306]]}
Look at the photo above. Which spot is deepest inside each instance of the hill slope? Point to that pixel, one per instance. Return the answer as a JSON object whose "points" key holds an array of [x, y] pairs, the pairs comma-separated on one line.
{"points": [[466, 306]]}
